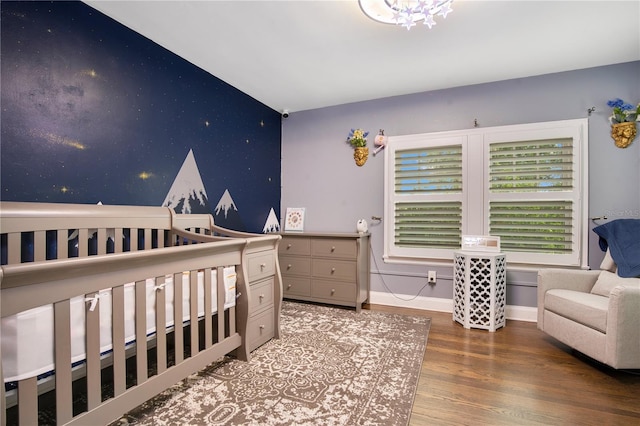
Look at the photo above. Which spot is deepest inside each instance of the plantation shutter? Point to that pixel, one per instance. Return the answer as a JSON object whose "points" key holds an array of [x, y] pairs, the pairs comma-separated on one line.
{"points": [[434, 225], [535, 227], [423, 219], [526, 183], [429, 170], [525, 167]]}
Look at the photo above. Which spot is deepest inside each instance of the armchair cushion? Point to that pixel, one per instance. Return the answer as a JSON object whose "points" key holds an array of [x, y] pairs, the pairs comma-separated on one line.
{"points": [[607, 281], [585, 308], [608, 264]]}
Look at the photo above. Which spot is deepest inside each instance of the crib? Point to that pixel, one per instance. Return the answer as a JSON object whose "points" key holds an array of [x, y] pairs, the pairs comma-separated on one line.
{"points": [[82, 291]]}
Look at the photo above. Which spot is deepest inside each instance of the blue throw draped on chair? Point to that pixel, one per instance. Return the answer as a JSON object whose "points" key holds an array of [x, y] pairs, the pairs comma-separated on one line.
{"points": [[622, 236]]}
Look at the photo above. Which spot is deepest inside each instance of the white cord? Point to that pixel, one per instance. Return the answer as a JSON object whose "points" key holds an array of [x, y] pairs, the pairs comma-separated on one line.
{"points": [[385, 284]]}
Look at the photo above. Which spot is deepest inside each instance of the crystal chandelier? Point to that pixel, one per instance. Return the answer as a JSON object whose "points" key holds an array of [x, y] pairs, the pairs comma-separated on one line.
{"points": [[406, 13]]}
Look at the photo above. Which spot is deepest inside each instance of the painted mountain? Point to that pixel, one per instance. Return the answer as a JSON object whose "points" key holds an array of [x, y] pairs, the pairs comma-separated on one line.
{"points": [[272, 224], [226, 213], [187, 193]]}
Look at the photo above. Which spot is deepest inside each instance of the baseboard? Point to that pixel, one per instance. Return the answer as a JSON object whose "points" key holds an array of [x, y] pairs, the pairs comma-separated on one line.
{"points": [[518, 313], [522, 313]]}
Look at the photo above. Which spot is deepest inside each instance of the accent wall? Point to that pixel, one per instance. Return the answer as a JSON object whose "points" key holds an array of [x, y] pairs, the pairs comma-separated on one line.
{"points": [[94, 112]]}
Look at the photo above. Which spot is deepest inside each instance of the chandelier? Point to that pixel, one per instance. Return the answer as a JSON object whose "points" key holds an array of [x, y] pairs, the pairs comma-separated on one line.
{"points": [[406, 13]]}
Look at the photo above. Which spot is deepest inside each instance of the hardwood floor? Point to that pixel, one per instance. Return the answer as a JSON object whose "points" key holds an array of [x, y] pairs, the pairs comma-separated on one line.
{"points": [[515, 376]]}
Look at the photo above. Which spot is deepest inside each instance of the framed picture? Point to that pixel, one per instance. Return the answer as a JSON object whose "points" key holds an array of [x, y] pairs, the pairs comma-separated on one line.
{"points": [[481, 243], [294, 220]]}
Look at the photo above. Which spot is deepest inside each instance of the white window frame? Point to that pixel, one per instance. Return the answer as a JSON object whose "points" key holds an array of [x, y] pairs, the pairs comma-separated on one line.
{"points": [[476, 197]]}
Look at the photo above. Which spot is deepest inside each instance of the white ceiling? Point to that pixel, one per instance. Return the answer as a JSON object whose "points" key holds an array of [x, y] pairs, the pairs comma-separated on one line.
{"points": [[300, 55]]}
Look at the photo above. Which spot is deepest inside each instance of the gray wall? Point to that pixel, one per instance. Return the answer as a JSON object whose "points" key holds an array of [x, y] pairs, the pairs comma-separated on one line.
{"points": [[318, 171]]}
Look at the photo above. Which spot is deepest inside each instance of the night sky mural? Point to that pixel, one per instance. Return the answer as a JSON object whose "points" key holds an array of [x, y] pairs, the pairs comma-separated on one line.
{"points": [[94, 112]]}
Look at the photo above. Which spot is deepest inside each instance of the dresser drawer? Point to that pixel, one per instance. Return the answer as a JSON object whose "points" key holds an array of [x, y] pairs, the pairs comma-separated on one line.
{"points": [[261, 329], [296, 286], [335, 269], [261, 265], [298, 246], [261, 296], [291, 265], [334, 290], [338, 248]]}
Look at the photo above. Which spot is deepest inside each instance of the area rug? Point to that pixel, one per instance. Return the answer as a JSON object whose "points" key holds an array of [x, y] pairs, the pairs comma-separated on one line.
{"points": [[332, 366]]}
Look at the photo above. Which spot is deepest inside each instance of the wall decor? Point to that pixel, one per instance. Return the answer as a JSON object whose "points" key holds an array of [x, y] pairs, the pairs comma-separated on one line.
{"points": [[358, 140], [294, 220], [623, 122], [380, 141]]}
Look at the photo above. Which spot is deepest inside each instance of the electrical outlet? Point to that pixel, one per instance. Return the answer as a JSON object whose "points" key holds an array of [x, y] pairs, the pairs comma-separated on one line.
{"points": [[431, 277]]}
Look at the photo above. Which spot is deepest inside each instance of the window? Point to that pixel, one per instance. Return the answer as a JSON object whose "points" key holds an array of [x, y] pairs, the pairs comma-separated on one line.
{"points": [[525, 183]]}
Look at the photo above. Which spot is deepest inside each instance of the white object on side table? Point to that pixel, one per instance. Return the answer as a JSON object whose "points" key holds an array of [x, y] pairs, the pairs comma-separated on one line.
{"points": [[479, 289]]}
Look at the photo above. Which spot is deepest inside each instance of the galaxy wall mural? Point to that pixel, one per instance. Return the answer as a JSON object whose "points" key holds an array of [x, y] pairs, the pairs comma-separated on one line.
{"points": [[94, 112]]}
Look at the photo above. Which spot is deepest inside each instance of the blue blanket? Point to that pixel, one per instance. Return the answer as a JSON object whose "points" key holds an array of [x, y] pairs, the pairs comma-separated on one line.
{"points": [[622, 236]]}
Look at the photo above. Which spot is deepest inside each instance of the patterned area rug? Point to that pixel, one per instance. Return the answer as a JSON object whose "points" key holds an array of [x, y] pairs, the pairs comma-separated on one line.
{"points": [[332, 366]]}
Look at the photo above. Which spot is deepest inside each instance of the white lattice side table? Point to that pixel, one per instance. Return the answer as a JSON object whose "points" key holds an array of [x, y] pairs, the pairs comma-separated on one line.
{"points": [[479, 289]]}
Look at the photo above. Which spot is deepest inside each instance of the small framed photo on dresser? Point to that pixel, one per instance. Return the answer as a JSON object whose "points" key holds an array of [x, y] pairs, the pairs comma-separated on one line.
{"points": [[294, 219]]}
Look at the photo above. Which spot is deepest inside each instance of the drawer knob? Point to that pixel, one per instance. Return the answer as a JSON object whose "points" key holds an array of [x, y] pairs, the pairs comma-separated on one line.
{"points": [[261, 297], [288, 246], [261, 327], [289, 266], [333, 270], [333, 291], [333, 248], [263, 265]]}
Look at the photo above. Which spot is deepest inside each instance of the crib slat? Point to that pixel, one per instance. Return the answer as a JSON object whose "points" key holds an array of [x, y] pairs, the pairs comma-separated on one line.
{"points": [[28, 401], [83, 242], [178, 331], [102, 241], [147, 239], [62, 243], [208, 328], [193, 312], [62, 324], [232, 321], [94, 388], [39, 245], [222, 293], [160, 238], [13, 240], [119, 365], [161, 325], [133, 239], [117, 240], [141, 332]]}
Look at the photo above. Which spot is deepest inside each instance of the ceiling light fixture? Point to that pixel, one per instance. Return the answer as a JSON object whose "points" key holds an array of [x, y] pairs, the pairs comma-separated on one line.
{"points": [[406, 13]]}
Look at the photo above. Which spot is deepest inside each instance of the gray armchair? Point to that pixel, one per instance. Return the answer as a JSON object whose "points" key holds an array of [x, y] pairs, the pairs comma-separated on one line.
{"points": [[594, 312]]}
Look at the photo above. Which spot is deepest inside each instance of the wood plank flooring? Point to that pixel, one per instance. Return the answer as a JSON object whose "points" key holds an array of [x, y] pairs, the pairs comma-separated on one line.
{"points": [[515, 376]]}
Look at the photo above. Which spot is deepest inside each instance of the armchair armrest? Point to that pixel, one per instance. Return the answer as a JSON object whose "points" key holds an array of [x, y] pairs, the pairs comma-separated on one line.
{"points": [[623, 327], [569, 279]]}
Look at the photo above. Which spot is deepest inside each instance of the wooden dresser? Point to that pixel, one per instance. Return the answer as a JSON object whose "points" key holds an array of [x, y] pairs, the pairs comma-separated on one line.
{"points": [[325, 267], [265, 294]]}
